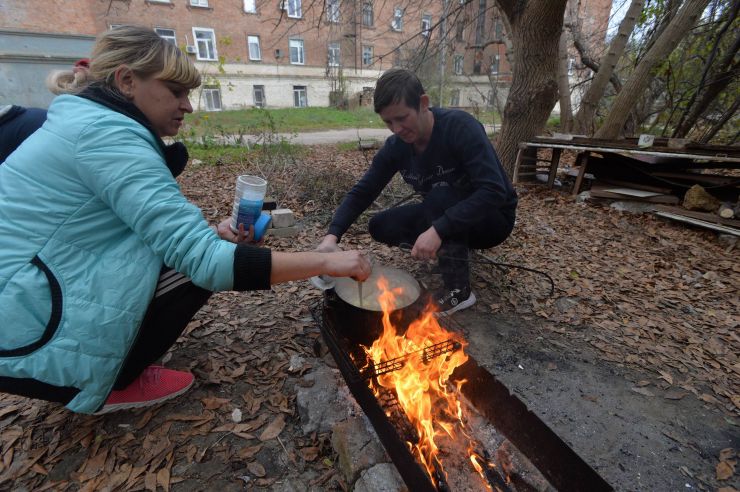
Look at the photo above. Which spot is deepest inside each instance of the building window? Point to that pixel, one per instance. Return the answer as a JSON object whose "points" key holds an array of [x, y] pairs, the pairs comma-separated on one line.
{"points": [[459, 60], [495, 64], [426, 24], [300, 98], [489, 99], [250, 6], [205, 43], [480, 27], [296, 51], [253, 44], [460, 33], [367, 14], [212, 98], [367, 55], [455, 97], [334, 54], [498, 30], [199, 3], [294, 8], [397, 22], [259, 96], [332, 10], [168, 34]]}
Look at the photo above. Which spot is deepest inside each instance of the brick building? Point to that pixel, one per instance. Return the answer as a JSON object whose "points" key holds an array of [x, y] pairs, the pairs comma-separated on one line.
{"points": [[273, 53]]}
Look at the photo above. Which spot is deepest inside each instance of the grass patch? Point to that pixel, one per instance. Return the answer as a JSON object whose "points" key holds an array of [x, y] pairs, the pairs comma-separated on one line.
{"points": [[282, 120]]}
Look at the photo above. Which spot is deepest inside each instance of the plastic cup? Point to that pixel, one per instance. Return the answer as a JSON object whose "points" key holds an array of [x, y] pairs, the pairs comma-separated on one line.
{"points": [[250, 193]]}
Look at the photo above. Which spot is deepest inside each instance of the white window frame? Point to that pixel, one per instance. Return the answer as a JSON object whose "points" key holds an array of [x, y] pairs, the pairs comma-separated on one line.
{"points": [[172, 38], [367, 54], [332, 11], [294, 8], [459, 63], [298, 101], [208, 98], [199, 3], [260, 88], [426, 24], [334, 54], [254, 41], [250, 6], [198, 54], [397, 22], [495, 63], [298, 46], [368, 13]]}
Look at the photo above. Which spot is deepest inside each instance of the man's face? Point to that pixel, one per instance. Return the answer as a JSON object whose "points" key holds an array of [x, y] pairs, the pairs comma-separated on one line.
{"points": [[406, 122]]}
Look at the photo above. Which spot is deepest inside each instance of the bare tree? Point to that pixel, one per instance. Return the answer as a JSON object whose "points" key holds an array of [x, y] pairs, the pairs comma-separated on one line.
{"points": [[566, 113], [584, 119], [683, 21]]}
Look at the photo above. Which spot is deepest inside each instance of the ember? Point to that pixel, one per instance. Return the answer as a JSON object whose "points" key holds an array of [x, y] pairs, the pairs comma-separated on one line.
{"points": [[416, 367]]}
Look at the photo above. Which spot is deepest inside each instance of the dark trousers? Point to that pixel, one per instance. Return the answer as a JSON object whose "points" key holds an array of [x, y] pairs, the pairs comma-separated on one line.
{"points": [[404, 224], [175, 302]]}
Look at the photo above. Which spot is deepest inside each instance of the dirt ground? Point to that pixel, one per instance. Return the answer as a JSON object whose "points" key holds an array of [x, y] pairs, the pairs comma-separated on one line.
{"points": [[634, 361]]}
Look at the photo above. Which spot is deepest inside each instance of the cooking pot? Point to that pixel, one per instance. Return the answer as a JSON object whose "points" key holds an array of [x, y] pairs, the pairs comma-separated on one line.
{"points": [[362, 323]]}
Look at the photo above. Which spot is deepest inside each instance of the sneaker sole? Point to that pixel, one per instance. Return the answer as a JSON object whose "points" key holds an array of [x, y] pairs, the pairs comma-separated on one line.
{"points": [[463, 305], [149, 403]]}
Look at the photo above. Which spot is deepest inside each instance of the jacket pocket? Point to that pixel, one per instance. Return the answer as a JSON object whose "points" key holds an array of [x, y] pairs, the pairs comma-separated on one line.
{"points": [[25, 314]]}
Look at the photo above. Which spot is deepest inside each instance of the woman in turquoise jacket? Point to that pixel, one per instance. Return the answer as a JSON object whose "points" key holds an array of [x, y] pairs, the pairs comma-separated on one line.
{"points": [[90, 212]]}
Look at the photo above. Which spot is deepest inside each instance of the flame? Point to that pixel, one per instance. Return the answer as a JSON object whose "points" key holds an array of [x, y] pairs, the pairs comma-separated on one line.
{"points": [[422, 383]]}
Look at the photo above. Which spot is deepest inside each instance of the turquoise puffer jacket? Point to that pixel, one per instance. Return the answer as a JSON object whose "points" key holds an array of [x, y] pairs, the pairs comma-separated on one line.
{"points": [[89, 212]]}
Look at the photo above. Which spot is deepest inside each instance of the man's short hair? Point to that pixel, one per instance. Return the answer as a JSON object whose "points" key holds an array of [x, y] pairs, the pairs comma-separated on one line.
{"points": [[397, 85]]}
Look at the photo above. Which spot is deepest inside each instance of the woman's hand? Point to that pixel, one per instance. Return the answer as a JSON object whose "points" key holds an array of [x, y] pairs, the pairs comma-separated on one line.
{"points": [[427, 245], [349, 264], [240, 237]]}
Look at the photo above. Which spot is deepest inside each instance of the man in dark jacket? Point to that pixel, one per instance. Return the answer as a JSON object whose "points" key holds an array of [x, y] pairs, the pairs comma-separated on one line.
{"points": [[16, 124], [446, 156]]}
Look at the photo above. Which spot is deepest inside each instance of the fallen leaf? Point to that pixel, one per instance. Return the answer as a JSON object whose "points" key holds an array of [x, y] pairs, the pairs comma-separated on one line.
{"points": [[674, 395], [310, 453], [256, 469], [726, 454], [643, 391], [274, 429], [249, 452], [724, 470]]}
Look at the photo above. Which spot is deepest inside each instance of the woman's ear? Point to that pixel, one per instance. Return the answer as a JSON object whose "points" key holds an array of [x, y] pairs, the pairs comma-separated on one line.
{"points": [[125, 81]]}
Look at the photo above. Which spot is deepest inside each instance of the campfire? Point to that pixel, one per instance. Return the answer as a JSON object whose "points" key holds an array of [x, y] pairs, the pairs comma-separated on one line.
{"points": [[435, 410], [414, 368]]}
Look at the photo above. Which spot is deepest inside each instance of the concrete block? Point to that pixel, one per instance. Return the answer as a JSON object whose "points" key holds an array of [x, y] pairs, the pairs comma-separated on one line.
{"points": [[284, 231], [282, 217], [382, 477], [357, 447]]}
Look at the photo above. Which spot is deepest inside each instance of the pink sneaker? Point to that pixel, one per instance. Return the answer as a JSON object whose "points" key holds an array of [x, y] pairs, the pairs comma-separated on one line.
{"points": [[155, 385]]}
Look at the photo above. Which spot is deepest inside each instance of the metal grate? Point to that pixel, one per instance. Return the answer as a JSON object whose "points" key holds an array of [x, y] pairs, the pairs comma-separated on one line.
{"points": [[427, 354]]}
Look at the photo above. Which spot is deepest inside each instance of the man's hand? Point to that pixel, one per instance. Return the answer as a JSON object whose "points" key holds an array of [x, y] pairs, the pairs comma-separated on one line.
{"points": [[328, 244], [426, 245], [224, 232]]}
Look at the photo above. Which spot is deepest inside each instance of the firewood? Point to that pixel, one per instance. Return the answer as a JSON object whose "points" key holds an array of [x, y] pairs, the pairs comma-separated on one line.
{"points": [[726, 210]]}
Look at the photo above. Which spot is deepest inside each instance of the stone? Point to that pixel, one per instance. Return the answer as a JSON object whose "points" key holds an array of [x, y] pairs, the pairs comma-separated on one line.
{"points": [[319, 405], [382, 477], [633, 207], [697, 198], [282, 217], [284, 231], [357, 447]]}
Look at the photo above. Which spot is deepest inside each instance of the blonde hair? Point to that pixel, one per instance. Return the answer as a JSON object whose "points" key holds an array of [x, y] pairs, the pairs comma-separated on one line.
{"points": [[144, 52], [67, 81]]}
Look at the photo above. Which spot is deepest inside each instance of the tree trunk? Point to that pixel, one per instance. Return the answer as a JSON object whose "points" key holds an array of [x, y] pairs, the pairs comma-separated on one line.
{"points": [[566, 113], [684, 20], [728, 114], [535, 32], [584, 119]]}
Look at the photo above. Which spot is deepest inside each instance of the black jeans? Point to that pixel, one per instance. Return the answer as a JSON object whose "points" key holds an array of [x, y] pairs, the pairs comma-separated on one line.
{"points": [[405, 223], [174, 304]]}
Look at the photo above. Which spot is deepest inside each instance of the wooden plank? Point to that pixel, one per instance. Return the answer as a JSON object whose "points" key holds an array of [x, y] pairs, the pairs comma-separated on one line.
{"points": [[637, 186], [554, 162], [709, 217], [668, 199], [581, 172], [700, 223], [719, 157]]}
